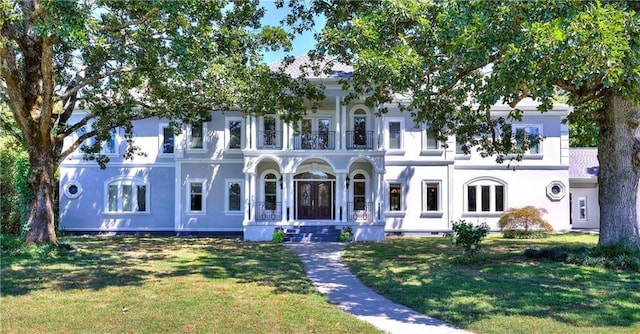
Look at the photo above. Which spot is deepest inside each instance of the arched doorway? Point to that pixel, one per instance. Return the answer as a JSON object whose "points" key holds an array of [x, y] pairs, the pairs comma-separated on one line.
{"points": [[314, 195]]}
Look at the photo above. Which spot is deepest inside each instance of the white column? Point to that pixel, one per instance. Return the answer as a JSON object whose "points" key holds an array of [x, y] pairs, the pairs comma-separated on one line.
{"points": [[285, 136], [291, 185], [344, 125], [377, 128], [379, 202], [339, 197], [254, 132], [247, 202], [252, 195], [284, 197], [247, 131], [339, 125]]}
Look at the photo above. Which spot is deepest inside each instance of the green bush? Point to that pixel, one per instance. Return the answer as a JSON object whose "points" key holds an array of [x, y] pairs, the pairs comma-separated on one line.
{"points": [[528, 218], [346, 234], [10, 242], [521, 234], [278, 235], [15, 193], [469, 236], [615, 256]]}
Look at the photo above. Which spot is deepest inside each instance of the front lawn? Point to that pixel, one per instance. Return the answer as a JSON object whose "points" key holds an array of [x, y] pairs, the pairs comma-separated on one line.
{"points": [[165, 285], [505, 293]]}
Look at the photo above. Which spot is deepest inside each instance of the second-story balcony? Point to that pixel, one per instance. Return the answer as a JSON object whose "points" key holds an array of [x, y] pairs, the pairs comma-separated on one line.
{"points": [[315, 140], [360, 140], [269, 140]]}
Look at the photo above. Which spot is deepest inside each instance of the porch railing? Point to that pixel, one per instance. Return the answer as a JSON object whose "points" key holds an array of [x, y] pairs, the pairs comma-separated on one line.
{"points": [[360, 140], [268, 211], [269, 140], [315, 140], [360, 212]]}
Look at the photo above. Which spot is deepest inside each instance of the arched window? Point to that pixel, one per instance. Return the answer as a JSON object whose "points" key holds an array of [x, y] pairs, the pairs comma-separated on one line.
{"points": [[485, 195], [125, 195], [360, 139], [270, 191]]}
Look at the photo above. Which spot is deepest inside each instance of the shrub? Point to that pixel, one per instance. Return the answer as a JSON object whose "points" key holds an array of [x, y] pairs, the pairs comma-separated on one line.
{"points": [[10, 243], [346, 234], [615, 256], [278, 235], [10, 209], [469, 236], [520, 234], [528, 218]]}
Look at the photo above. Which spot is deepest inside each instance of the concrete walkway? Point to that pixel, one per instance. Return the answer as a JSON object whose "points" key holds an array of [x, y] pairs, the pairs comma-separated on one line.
{"points": [[332, 278]]}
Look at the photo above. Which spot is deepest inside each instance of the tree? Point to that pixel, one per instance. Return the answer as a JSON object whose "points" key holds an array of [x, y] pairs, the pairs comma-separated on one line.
{"points": [[123, 61], [456, 58]]}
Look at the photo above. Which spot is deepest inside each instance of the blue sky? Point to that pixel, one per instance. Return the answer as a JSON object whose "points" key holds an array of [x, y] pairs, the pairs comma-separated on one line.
{"points": [[301, 44]]}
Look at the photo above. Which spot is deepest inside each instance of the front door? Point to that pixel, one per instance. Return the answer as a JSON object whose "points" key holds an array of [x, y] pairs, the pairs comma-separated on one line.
{"points": [[315, 199]]}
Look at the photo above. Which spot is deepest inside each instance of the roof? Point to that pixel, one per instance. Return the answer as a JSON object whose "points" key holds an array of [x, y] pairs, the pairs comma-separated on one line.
{"points": [[304, 63], [583, 163]]}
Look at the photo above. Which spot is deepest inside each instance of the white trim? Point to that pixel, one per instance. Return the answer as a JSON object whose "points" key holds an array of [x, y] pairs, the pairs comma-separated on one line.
{"points": [[161, 127], [227, 133], [403, 202], [120, 181], [240, 182], [424, 141], [582, 201], [424, 209], [387, 134], [516, 127], [478, 182], [205, 136], [367, 186], [277, 181], [69, 184], [187, 207]]}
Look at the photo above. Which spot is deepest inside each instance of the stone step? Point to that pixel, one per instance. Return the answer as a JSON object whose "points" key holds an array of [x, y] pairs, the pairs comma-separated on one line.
{"points": [[316, 233]]}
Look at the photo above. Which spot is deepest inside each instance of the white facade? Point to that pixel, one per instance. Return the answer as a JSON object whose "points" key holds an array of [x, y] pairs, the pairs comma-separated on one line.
{"points": [[346, 167]]}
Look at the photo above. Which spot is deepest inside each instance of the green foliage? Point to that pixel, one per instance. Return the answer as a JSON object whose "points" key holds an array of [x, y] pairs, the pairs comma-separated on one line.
{"points": [[522, 234], [524, 219], [278, 236], [10, 242], [468, 236], [346, 234], [621, 256], [15, 193]]}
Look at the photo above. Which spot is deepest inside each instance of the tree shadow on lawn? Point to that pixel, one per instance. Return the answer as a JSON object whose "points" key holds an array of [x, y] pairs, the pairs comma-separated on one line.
{"points": [[507, 285], [100, 262]]}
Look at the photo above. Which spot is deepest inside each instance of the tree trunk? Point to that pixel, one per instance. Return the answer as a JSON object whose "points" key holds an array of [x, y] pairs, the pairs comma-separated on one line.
{"points": [[41, 217], [618, 172]]}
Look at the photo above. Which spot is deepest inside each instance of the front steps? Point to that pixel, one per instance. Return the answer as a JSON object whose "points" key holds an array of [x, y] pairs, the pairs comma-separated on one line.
{"points": [[313, 233]]}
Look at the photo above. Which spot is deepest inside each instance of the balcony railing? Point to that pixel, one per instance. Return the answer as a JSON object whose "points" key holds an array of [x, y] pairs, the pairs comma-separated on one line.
{"points": [[360, 212], [360, 140], [269, 140], [315, 140], [268, 211]]}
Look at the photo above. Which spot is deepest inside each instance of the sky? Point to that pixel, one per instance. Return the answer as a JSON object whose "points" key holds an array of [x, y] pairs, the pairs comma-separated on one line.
{"points": [[301, 44]]}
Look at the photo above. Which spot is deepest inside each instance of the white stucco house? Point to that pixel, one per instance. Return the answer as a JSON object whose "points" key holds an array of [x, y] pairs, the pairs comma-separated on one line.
{"points": [[583, 182], [348, 166]]}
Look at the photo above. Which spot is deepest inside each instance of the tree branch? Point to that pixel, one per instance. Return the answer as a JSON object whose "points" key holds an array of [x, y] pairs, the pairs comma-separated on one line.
{"points": [[94, 79]]}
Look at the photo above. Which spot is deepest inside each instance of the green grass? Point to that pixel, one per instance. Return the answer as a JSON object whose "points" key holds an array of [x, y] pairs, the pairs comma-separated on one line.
{"points": [[505, 292], [164, 285]]}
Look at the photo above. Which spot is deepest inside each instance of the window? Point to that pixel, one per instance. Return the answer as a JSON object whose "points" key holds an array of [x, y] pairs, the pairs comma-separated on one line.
{"points": [[196, 195], [431, 196], [166, 139], [233, 195], [126, 195], [196, 137], [360, 128], [270, 191], [485, 196], [394, 136], [395, 197], [72, 189], [109, 146], [582, 208], [359, 191], [429, 140], [528, 133], [234, 133]]}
